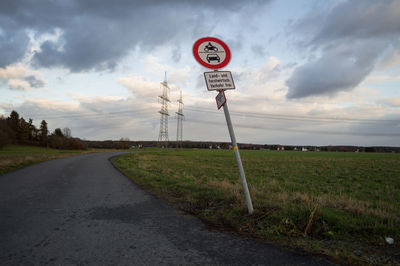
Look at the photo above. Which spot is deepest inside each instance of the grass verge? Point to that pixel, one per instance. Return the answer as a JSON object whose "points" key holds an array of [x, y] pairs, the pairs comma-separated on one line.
{"points": [[342, 205], [13, 157]]}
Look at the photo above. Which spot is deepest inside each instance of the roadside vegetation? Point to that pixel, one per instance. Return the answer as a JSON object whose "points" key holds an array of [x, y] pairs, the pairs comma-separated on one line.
{"points": [[13, 157], [16, 130], [342, 205]]}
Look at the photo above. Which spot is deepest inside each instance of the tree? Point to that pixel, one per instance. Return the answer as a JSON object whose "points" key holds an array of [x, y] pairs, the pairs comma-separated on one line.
{"points": [[123, 143], [33, 132], [66, 132], [56, 142], [8, 135], [4, 140], [57, 132], [23, 132], [43, 133], [13, 121]]}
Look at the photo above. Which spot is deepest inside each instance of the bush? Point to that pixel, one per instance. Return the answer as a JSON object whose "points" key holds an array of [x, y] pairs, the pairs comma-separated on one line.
{"points": [[75, 144], [59, 142]]}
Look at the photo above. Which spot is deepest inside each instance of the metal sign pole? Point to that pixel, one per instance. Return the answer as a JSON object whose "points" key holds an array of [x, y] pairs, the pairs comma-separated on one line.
{"points": [[238, 160]]}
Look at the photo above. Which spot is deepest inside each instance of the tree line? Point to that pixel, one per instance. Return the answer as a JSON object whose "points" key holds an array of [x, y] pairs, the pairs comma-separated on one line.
{"points": [[125, 143], [16, 130]]}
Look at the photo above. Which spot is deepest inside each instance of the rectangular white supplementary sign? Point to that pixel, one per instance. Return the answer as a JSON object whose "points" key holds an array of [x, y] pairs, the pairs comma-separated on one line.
{"points": [[219, 80]]}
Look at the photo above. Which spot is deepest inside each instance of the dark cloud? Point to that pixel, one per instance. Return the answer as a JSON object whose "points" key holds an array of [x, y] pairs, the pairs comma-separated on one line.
{"points": [[97, 34], [13, 43], [351, 39], [337, 70], [34, 82], [361, 19]]}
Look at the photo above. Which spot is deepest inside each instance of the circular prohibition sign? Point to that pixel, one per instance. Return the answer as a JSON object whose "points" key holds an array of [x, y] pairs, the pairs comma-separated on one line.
{"points": [[211, 52]]}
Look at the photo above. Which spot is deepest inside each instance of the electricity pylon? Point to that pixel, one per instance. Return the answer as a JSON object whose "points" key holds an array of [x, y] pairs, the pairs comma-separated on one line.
{"points": [[179, 129], [163, 135]]}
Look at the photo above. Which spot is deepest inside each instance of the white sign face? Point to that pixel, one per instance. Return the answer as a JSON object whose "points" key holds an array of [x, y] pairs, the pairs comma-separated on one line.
{"points": [[212, 53], [219, 80], [221, 99]]}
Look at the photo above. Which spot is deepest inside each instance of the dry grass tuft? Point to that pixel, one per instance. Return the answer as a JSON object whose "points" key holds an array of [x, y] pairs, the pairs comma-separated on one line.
{"points": [[228, 188]]}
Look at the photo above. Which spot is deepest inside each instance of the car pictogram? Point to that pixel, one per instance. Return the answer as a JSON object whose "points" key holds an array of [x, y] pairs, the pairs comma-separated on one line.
{"points": [[213, 57]]}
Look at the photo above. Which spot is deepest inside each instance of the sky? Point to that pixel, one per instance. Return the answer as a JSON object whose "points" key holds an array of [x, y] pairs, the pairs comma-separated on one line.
{"points": [[306, 72]]}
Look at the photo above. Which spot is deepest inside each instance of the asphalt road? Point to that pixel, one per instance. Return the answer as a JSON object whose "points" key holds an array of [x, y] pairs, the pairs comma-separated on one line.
{"points": [[82, 211]]}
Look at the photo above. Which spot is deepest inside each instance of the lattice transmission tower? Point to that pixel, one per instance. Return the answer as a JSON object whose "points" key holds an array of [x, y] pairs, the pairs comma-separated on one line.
{"points": [[163, 135], [179, 129]]}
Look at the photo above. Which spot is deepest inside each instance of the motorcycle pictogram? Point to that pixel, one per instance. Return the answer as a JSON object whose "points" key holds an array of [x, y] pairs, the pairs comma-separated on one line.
{"points": [[210, 47]]}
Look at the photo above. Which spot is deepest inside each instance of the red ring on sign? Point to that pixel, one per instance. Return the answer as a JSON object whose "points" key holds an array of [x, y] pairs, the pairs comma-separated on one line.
{"points": [[205, 64]]}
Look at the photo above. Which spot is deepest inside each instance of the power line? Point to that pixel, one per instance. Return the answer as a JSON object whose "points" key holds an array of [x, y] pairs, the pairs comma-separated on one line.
{"points": [[83, 114], [328, 132], [243, 114], [267, 116], [295, 117]]}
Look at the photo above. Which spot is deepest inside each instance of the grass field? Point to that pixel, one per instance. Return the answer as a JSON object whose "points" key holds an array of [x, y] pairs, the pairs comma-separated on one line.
{"points": [[13, 157], [342, 205]]}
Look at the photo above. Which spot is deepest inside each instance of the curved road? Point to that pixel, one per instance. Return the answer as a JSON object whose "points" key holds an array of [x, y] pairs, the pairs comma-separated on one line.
{"points": [[81, 210]]}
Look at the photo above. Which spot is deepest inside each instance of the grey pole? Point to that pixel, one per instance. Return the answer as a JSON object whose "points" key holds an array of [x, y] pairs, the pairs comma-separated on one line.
{"points": [[238, 160]]}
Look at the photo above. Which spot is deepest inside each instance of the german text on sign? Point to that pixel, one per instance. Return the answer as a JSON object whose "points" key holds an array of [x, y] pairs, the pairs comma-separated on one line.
{"points": [[219, 80]]}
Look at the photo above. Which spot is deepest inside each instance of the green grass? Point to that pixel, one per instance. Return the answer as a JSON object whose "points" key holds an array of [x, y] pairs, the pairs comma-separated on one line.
{"points": [[13, 157], [355, 196]]}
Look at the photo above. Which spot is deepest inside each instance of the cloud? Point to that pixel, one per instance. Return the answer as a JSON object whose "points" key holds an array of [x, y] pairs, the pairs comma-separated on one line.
{"points": [[34, 82], [338, 70], [12, 72], [351, 41], [392, 102], [103, 117], [383, 78], [18, 77], [181, 76], [18, 84], [53, 105], [360, 19], [255, 119], [176, 54], [391, 58], [140, 86], [387, 127], [98, 99], [13, 43], [260, 81], [258, 50], [96, 35]]}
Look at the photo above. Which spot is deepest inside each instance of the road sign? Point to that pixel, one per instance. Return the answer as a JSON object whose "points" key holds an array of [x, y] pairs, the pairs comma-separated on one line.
{"points": [[211, 52], [215, 54], [219, 80], [221, 99]]}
